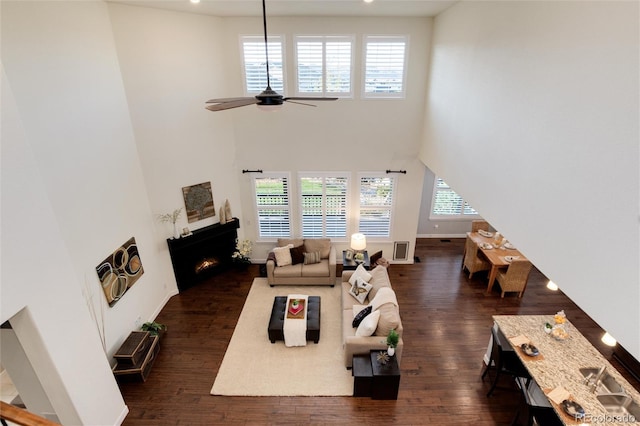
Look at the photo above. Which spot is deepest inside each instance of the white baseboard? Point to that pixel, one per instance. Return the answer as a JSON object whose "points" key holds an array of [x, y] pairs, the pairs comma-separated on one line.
{"points": [[441, 236]]}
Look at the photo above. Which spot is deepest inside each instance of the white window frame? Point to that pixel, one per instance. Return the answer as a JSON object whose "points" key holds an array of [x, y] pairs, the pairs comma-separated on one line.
{"points": [[390, 206], [384, 39], [286, 209], [259, 39], [324, 39], [460, 215], [324, 176]]}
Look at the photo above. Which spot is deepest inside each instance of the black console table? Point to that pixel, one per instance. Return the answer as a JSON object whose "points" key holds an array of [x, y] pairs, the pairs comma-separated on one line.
{"points": [[204, 253]]}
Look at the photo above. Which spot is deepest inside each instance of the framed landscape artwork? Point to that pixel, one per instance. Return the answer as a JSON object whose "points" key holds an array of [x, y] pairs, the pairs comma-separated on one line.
{"points": [[198, 201], [119, 271]]}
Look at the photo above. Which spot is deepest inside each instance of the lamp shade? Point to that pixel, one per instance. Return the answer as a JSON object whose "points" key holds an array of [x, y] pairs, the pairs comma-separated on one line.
{"points": [[358, 241]]}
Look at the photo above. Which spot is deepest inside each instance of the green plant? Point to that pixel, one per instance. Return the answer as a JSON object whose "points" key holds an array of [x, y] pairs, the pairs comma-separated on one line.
{"points": [[243, 250], [154, 328], [170, 217], [392, 339]]}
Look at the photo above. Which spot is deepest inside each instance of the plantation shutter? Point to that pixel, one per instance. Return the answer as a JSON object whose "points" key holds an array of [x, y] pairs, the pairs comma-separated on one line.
{"points": [[385, 66], [272, 202], [323, 206], [376, 203], [310, 69], [254, 62], [446, 202], [324, 65]]}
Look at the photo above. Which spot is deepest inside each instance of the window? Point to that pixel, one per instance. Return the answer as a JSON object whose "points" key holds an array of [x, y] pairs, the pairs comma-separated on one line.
{"points": [[385, 59], [376, 203], [254, 63], [447, 203], [323, 200], [324, 65], [272, 205]]}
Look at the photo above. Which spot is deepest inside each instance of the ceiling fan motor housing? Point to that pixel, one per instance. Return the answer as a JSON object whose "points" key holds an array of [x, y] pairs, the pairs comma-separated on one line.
{"points": [[269, 97]]}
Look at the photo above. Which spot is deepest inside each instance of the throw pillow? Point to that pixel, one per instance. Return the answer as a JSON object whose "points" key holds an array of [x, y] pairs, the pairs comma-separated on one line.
{"points": [[368, 325], [373, 259], [283, 255], [379, 279], [323, 245], [360, 316], [360, 290], [297, 255], [311, 258], [389, 319], [360, 272]]}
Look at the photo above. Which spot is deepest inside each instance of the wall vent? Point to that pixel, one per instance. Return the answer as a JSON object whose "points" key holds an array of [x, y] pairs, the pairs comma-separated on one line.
{"points": [[400, 250]]}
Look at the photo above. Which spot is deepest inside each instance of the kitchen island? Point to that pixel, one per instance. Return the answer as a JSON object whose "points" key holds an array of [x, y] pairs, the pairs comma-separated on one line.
{"points": [[558, 365]]}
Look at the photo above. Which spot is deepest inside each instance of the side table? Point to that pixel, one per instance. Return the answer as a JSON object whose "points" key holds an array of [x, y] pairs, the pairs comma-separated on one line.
{"points": [[362, 375], [386, 377], [350, 265]]}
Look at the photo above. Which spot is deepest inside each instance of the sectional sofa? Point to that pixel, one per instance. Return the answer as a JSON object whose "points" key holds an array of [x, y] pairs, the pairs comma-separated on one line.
{"points": [[355, 339]]}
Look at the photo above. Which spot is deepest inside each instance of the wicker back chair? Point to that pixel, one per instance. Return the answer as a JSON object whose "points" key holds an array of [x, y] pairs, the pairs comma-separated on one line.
{"points": [[515, 278], [472, 261], [477, 225]]}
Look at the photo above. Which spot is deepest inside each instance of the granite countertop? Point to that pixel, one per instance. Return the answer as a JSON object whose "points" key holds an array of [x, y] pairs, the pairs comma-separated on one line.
{"points": [[559, 363]]}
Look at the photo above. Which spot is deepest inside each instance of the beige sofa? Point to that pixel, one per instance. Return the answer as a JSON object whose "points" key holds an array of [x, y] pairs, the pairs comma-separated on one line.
{"points": [[390, 318], [321, 273]]}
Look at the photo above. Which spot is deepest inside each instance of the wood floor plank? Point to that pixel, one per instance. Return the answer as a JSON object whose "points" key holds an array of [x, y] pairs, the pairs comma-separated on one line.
{"points": [[446, 319]]}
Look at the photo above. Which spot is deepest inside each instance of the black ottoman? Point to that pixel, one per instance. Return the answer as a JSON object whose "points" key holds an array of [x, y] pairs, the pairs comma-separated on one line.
{"points": [[276, 322]]}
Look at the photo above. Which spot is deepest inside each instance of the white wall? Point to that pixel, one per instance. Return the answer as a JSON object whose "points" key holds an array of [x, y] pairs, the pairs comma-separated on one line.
{"points": [[533, 118], [41, 294], [171, 63], [73, 190], [349, 135]]}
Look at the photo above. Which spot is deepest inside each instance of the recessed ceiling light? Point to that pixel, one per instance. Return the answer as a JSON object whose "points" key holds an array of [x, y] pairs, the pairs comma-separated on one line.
{"points": [[368, 1], [195, 1], [608, 339]]}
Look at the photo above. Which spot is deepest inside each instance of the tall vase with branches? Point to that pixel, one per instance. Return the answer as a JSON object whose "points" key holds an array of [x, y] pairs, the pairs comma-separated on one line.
{"points": [[172, 218]]}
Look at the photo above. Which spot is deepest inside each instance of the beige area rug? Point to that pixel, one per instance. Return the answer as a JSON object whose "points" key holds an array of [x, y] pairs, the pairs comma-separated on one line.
{"points": [[253, 366]]}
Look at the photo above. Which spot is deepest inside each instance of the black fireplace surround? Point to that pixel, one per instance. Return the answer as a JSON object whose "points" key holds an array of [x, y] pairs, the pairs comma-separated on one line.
{"points": [[203, 254]]}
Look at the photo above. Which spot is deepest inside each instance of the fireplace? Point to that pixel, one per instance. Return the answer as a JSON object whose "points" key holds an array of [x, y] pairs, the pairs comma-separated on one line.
{"points": [[203, 254]]}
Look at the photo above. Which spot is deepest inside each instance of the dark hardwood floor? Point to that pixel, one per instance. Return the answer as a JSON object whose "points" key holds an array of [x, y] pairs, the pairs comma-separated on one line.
{"points": [[446, 319]]}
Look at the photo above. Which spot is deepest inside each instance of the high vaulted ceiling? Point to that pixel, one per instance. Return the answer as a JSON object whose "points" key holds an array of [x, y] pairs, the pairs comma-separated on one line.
{"points": [[301, 7]]}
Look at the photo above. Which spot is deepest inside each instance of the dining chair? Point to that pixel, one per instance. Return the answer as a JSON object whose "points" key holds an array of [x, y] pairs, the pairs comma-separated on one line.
{"points": [[472, 261], [476, 225], [503, 361], [515, 278], [536, 412]]}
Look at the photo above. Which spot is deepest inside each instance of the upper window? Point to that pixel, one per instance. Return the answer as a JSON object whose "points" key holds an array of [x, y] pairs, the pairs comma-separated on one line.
{"points": [[385, 66], [272, 204], [323, 199], [447, 203], [324, 65], [376, 204], [255, 63]]}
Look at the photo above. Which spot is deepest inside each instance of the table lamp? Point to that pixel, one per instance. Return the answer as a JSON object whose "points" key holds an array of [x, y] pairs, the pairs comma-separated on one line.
{"points": [[358, 244]]}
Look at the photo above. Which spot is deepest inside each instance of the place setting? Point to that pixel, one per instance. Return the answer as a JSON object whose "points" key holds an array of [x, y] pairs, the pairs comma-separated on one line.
{"points": [[485, 234], [572, 411], [526, 348]]}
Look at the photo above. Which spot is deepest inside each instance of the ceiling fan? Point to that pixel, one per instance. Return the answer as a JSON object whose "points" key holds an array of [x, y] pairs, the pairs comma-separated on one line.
{"points": [[268, 97]]}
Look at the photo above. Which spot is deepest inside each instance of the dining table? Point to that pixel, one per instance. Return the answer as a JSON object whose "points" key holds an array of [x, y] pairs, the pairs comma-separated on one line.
{"points": [[497, 255], [555, 368]]}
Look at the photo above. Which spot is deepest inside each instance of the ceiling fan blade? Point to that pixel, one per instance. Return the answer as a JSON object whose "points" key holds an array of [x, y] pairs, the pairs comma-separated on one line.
{"points": [[232, 104], [309, 98], [222, 100], [299, 103]]}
